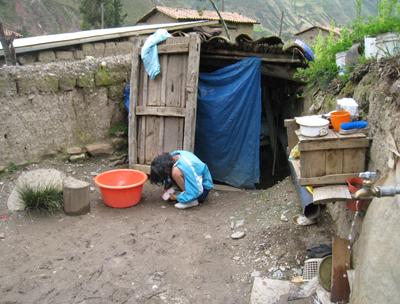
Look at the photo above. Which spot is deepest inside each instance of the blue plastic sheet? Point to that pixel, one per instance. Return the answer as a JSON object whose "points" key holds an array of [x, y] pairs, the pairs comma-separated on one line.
{"points": [[127, 91], [229, 121]]}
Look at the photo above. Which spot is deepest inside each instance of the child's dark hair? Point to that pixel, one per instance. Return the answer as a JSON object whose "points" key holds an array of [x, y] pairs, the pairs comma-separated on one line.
{"points": [[161, 168]]}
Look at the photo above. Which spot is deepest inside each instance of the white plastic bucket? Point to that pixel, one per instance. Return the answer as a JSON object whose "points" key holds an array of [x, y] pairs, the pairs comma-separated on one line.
{"points": [[387, 45], [370, 47], [341, 62]]}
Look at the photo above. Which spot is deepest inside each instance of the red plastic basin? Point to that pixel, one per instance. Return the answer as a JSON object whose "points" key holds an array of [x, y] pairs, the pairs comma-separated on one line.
{"points": [[121, 188]]}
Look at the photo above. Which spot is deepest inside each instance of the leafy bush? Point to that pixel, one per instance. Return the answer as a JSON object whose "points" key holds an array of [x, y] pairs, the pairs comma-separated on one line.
{"points": [[323, 69], [44, 199]]}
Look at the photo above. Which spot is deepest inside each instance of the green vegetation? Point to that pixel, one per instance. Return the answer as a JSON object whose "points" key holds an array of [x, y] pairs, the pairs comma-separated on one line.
{"points": [[92, 11], [324, 69], [44, 199]]}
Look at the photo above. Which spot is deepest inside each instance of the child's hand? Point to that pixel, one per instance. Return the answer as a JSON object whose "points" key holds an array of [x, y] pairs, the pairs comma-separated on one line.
{"points": [[172, 197]]}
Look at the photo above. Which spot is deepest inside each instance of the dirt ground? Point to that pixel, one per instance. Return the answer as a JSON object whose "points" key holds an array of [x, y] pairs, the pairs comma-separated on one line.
{"points": [[151, 253]]}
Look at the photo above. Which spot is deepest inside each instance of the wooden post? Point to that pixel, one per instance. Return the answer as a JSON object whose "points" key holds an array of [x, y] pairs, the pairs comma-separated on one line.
{"points": [[8, 47], [340, 288], [76, 196], [133, 96], [191, 92]]}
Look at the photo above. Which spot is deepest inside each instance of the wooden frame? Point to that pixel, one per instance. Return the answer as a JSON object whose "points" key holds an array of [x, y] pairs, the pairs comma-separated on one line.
{"points": [[162, 114]]}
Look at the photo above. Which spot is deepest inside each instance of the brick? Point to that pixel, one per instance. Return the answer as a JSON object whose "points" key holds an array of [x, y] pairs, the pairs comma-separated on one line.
{"points": [[99, 149], [67, 83], [110, 49], [74, 150], [86, 80], [65, 55], [88, 49], [79, 55], [47, 56], [99, 49], [40, 83], [123, 47], [27, 59], [106, 77]]}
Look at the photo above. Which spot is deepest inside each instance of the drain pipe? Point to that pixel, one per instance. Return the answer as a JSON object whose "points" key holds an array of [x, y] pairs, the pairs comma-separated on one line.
{"points": [[310, 210]]}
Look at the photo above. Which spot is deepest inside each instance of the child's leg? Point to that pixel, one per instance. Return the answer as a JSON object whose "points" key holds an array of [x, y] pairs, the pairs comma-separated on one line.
{"points": [[178, 178], [203, 196]]}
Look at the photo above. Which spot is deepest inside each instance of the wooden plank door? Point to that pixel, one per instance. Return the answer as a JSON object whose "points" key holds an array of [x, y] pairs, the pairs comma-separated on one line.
{"points": [[162, 114]]}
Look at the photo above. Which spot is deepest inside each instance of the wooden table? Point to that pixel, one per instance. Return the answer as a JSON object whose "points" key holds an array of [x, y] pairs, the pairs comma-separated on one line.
{"points": [[330, 159]]}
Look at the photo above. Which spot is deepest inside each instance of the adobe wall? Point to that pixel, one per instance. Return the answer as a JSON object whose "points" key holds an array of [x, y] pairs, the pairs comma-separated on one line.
{"points": [[76, 52], [48, 108]]}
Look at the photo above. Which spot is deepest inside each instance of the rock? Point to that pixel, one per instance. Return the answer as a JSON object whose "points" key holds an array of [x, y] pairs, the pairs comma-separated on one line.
{"points": [[239, 223], [267, 291], [2, 168], [255, 273], [284, 218], [236, 258], [2, 236], [92, 189], [78, 157], [99, 149], [35, 179], [74, 150], [238, 235], [94, 173]]}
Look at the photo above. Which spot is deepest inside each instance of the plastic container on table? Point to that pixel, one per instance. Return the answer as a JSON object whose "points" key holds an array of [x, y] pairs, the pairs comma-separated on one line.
{"points": [[339, 117]]}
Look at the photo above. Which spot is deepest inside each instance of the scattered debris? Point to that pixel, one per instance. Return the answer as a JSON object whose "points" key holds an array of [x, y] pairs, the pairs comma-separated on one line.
{"points": [[301, 220], [297, 280], [239, 223], [304, 291], [278, 275], [77, 157], [238, 235]]}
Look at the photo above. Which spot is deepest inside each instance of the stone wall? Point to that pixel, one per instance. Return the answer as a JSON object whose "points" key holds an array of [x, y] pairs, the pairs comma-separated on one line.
{"points": [[47, 108], [76, 52], [376, 88]]}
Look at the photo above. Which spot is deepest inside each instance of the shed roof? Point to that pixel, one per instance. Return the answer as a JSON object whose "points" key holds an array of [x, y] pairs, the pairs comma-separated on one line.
{"points": [[334, 30], [191, 14], [30, 44]]}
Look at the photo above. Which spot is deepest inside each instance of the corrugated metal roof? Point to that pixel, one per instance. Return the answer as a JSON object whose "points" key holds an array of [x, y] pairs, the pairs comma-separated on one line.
{"points": [[30, 44], [190, 14]]}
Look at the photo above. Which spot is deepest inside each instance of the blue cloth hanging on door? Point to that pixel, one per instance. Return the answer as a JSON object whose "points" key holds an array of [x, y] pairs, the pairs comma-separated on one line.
{"points": [[229, 122]]}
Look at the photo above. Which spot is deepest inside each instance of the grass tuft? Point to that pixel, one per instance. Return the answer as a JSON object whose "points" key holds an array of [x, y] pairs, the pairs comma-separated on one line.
{"points": [[42, 199]]}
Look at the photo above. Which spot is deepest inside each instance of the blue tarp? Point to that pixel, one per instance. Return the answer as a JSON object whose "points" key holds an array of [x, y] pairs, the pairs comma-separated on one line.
{"points": [[229, 121]]}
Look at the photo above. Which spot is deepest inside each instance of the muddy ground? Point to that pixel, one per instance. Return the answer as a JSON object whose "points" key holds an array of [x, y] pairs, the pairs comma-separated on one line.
{"points": [[151, 253]]}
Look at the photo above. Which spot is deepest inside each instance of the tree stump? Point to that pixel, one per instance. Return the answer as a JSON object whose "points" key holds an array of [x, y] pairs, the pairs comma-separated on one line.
{"points": [[76, 196]]}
